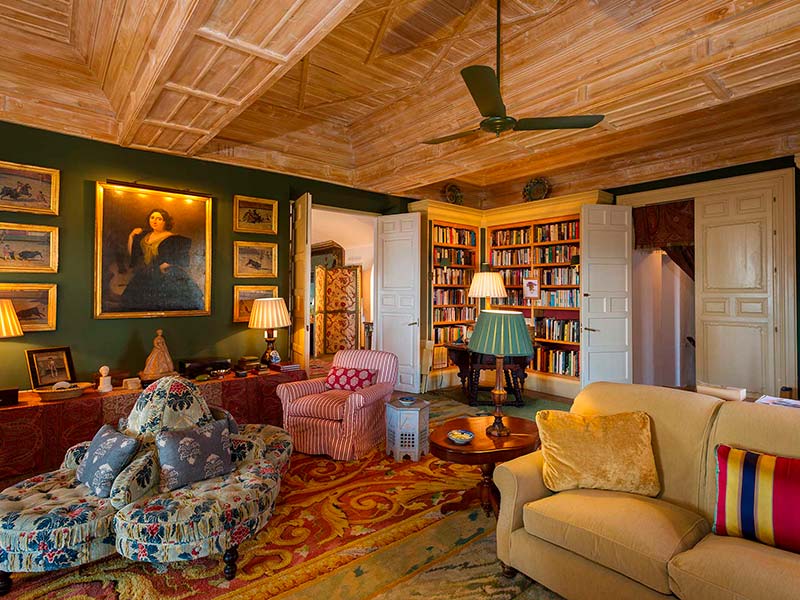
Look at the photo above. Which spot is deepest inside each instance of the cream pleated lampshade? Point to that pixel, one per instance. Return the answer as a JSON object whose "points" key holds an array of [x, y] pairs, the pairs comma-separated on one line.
{"points": [[9, 323], [269, 313], [487, 285]]}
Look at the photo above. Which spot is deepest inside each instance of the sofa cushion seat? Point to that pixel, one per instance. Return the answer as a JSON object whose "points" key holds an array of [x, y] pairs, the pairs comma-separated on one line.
{"points": [[731, 568], [203, 518], [328, 405], [52, 521], [628, 533]]}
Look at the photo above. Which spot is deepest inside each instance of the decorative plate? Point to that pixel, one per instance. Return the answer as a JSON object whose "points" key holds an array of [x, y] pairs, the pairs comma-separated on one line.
{"points": [[460, 436], [73, 391], [536, 189]]}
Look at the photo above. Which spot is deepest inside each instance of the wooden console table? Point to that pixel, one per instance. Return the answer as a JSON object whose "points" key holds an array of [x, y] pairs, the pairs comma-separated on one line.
{"points": [[470, 364], [34, 435]]}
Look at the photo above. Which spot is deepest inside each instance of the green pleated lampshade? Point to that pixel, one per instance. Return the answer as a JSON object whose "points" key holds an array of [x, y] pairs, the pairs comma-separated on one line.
{"points": [[502, 333]]}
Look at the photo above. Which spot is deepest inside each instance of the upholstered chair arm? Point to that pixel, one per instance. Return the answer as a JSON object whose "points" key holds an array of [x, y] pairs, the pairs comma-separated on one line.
{"points": [[365, 396], [519, 481], [289, 392], [75, 455], [135, 480]]}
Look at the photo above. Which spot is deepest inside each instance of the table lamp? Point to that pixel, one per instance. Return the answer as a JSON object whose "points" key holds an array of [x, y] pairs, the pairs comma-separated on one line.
{"points": [[487, 284], [9, 327], [501, 333], [269, 314]]}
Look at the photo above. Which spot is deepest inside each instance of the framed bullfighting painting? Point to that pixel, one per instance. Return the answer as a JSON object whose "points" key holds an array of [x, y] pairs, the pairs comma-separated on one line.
{"points": [[28, 248], [152, 253], [25, 188], [255, 215], [34, 303], [255, 259]]}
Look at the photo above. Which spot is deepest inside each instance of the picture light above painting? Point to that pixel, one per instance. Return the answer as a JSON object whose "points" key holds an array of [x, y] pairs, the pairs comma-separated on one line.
{"points": [[152, 253]]}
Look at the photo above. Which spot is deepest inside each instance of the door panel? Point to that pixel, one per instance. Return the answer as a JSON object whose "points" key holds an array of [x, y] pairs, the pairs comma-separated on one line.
{"points": [[398, 295], [301, 280], [606, 263], [734, 278]]}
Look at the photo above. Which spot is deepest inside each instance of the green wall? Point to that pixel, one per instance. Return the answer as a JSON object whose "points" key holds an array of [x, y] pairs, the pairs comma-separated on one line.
{"points": [[125, 343]]}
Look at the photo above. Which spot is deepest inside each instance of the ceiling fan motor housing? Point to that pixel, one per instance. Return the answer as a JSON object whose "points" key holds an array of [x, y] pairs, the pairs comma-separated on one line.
{"points": [[498, 125]]}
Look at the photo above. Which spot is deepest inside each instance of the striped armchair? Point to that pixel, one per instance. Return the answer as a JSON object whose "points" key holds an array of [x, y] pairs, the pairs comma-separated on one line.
{"points": [[340, 423]]}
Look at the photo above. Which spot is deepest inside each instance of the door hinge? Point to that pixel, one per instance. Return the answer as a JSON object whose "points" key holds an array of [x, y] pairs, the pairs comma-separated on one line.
{"points": [[776, 330]]}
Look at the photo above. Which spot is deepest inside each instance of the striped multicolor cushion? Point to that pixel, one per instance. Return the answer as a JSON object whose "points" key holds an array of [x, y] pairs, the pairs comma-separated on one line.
{"points": [[757, 497]]}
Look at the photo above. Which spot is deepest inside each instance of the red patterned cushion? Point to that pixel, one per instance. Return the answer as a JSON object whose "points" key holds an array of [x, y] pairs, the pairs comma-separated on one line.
{"points": [[344, 378]]}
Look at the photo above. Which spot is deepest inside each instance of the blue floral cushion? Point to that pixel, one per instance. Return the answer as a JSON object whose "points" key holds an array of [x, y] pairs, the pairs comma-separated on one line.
{"points": [[194, 454], [109, 453]]}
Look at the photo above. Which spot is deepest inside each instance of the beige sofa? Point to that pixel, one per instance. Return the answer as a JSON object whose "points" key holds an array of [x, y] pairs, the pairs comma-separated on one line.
{"points": [[596, 544]]}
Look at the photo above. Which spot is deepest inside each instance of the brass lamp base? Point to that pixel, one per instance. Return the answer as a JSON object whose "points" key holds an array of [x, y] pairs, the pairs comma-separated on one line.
{"points": [[497, 429]]}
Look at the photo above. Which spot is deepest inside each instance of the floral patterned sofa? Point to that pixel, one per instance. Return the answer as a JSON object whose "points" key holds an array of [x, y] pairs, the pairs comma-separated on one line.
{"points": [[53, 521]]}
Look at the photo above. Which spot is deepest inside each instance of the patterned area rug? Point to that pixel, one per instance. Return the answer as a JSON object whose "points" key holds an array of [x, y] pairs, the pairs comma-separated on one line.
{"points": [[335, 522]]}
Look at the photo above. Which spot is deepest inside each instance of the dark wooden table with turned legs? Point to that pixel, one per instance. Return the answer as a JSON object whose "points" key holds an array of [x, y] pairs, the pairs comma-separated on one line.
{"points": [[484, 451]]}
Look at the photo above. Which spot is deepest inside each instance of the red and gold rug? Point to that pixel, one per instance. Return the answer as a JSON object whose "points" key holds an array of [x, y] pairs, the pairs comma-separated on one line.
{"points": [[329, 515]]}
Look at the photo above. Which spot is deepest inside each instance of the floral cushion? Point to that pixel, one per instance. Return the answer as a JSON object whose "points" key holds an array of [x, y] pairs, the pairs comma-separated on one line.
{"points": [[136, 480], [52, 521], [74, 455], [193, 454], [259, 442], [109, 453], [345, 378], [203, 518], [166, 405]]}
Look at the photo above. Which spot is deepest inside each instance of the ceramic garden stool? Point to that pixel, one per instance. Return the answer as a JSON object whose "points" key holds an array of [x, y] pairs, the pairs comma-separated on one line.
{"points": [[50, 522], [212, 516]]}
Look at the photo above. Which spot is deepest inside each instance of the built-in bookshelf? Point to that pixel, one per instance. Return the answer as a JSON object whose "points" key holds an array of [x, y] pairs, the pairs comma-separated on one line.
{"points": [[454, 258], [538, 261]]}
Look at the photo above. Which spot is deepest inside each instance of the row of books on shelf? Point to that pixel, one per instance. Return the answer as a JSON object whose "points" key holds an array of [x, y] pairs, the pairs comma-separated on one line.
{"points": [[454, 235], [449, 334], [560, 276], [514, 276], [554, 254], [560, 362], [556, 232], [564, 330], [464, 313], [456, 256], [514, 298], [448, 276], [440, 360], [450, 296], [559, 298], [508, 237], [519, 256]]}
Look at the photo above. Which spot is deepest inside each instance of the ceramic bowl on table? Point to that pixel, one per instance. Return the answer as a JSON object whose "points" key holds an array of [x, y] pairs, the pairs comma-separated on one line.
{"points": [[460, 436], [407, 400], [62, 393]]}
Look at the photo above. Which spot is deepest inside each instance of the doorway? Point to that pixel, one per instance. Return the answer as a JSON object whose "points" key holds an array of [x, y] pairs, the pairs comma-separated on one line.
{"points": [[342, 283]]}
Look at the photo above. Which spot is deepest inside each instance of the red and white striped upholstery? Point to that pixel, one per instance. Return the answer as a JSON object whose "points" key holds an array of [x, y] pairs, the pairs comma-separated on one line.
{"points": [[342, 424]]}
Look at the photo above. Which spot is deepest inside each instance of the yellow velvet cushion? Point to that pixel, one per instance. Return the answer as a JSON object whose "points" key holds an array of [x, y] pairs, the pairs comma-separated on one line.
{"points": [[609, 452]]}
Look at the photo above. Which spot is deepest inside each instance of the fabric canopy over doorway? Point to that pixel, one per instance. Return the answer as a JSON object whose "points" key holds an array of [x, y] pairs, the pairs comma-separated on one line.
{"points": [[668, 227]]}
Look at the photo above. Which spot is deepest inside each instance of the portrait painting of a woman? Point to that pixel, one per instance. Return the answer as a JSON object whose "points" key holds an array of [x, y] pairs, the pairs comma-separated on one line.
{"points": [[153, 253]]}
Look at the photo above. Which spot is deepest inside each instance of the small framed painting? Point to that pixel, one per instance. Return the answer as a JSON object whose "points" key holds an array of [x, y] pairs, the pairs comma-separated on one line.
{"points": [[47, 366], [28, 248], [255, 259], [25, 188], [255, 215], [245, 295], [530, 288], [34, 303]]}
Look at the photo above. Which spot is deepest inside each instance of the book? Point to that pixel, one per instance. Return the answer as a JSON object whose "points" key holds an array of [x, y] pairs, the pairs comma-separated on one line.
{"points": [[283, 367]]}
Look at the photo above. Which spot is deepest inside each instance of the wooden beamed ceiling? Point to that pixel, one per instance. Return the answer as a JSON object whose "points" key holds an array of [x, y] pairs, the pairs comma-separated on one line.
{"points": [[347, 90]]}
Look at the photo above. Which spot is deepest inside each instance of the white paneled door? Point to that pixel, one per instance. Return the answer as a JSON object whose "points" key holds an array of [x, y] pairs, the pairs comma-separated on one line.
{"points": [[301, 280], [397, 310], [734, 319], [606, 259]]}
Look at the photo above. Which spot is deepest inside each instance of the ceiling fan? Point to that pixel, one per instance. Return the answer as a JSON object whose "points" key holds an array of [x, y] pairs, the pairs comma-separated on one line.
{"points": [[484, 86]]}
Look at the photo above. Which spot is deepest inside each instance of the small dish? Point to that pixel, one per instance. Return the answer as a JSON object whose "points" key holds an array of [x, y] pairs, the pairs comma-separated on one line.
{"points": [[64, 393], [460, 436], [407, 400]]}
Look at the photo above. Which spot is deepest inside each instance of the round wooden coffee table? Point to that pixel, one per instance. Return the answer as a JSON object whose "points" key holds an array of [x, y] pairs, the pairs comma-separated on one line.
{"points": [[484, 451]]}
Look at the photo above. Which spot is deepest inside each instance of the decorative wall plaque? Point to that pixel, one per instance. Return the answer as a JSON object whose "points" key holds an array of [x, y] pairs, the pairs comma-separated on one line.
{"points": [[536, 189]]}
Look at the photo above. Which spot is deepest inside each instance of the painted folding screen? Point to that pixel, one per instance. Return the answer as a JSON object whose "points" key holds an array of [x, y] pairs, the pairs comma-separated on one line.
{"points": [[337, 319]]}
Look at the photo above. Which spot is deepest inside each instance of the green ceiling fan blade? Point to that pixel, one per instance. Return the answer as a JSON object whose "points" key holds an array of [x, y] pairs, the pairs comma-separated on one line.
{"points": [[483, 85], [577, 122], [452, 136]]}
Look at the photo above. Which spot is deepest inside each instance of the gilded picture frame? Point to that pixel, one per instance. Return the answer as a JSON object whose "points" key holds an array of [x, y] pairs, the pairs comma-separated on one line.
{"points": [[28, 188], [255, 215], [47, 366], [243, 297], [28, 248], [255, 259], [152, 253], [34, 303]]}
